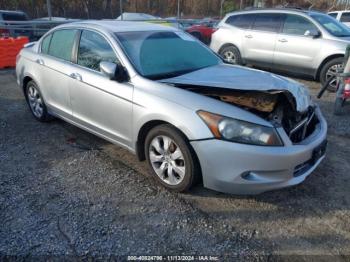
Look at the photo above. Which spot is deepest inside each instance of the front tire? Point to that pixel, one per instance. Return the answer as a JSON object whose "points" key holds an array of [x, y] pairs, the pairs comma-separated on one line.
{"points": [[36, 102], [171, 158]]}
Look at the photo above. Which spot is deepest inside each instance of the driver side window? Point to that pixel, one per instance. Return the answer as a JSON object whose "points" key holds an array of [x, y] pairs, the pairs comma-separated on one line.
{"points": [[297, 25], [93, 49]]}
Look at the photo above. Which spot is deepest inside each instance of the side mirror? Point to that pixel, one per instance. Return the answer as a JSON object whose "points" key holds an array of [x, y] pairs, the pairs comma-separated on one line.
{"points": [[108, 69], [114, 71], [313, 33]]}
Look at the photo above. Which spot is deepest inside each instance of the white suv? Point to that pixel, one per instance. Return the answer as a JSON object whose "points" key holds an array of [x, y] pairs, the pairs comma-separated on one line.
{"points": [[294, 41], [342, 16]]}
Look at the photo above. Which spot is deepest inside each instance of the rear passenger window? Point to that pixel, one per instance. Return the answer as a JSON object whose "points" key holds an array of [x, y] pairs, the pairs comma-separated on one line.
{"points": [[241, 21], [345, 17], [268, 22], [45, 44], [297, 25], [333, 15], [62, 42], [93, 49]]}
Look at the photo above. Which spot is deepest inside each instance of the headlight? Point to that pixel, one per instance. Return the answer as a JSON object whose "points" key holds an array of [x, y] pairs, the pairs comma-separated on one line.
{"points": [[240, 131]]}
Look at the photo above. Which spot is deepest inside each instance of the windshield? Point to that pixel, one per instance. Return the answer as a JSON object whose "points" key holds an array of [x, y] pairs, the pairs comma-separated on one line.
{"points": [[332, 25], [159, 55]]}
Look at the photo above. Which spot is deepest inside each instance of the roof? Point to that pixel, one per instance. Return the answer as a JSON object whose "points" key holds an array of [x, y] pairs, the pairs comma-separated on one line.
{"points": [[121, 26], [339, 11], [277, 10]]}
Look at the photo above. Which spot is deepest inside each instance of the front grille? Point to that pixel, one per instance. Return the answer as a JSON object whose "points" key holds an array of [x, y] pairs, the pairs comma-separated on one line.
{"points": [[305, 127]]}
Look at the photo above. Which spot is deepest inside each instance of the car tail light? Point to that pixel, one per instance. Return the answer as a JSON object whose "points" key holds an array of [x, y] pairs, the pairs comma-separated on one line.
{"points": [[4, 32], [346, 93]]}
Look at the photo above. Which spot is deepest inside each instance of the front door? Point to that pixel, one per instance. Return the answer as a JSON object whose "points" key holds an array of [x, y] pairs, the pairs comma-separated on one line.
{"points": [[296, 50], [100, 104]]}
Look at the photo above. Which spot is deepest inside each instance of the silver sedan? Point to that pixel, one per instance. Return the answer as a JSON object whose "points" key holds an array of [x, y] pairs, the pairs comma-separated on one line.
{"points": [[170, 100]]}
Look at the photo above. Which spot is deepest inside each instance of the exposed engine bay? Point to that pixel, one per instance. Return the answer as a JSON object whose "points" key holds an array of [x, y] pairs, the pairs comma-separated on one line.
{"points": [[275, 106]]}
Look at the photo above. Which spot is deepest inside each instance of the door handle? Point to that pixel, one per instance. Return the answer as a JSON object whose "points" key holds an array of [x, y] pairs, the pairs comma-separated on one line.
{"points": [[76, 76], [249, 36], [40, 61], [283, 40]]}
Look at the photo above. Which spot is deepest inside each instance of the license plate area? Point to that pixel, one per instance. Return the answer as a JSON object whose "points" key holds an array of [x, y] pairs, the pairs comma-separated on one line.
{"points": [[317, 153]]}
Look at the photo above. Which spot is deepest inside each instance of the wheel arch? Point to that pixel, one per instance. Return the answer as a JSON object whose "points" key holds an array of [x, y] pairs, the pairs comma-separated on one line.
{"points": [[325, 61], [144, 130], [25, 81], [227, 45]]}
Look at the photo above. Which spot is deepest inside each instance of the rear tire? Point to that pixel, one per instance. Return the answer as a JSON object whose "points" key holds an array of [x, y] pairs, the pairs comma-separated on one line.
{"points": [[231, 55], [171, 158], [329, 70], [36, 102]]}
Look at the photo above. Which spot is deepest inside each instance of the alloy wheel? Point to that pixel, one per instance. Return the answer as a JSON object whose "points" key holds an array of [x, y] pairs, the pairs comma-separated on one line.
{"points": [[229, 57], [35, 101], [333, 71], [167, 160]]}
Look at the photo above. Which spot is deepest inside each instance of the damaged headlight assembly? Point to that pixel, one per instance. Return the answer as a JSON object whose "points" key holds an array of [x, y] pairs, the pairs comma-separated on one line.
{"points": [[239, 131]]}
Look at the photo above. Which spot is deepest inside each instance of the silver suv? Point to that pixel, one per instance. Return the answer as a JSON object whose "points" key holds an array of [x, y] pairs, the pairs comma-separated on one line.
{"points": [[294, 41]]}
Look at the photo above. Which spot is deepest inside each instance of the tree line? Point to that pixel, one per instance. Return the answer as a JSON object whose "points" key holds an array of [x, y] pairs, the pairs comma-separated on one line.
{"points": [[98, 9]]}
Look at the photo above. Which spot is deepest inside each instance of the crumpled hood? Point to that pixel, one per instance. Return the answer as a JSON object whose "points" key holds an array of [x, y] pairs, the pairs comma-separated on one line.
{"points": [[241, 78]]}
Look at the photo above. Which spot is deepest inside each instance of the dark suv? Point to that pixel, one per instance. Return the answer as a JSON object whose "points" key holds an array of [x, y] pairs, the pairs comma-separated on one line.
{"points": [[10, 29]]}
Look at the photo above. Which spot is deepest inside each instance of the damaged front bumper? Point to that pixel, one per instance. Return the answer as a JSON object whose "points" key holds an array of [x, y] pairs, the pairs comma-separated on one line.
{"points": [[247, 169]]}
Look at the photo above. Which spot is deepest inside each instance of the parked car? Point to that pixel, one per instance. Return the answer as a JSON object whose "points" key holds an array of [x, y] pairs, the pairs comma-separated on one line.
{"points": [[293, 41], [342, 16], [203, 30], [141, 17], [187, 23], [167, 98], [137, 17], [17, 29]]}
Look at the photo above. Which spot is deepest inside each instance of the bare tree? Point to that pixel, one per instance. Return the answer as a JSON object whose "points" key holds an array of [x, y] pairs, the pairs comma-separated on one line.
{"points": [[333, 5]]}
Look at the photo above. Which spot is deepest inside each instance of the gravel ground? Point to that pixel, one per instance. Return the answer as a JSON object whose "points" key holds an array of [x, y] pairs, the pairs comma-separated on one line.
{"points": [[66, 192]]}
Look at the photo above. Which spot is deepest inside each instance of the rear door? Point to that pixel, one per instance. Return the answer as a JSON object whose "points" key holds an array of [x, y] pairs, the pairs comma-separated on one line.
{"points": [[259, 41], [56, 65], [295, 50]]}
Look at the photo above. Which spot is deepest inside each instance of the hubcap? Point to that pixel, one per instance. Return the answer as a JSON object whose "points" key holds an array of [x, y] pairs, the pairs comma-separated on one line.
{"points": [[332, 71], [167, 160], [35, 101], [230, 57]]}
